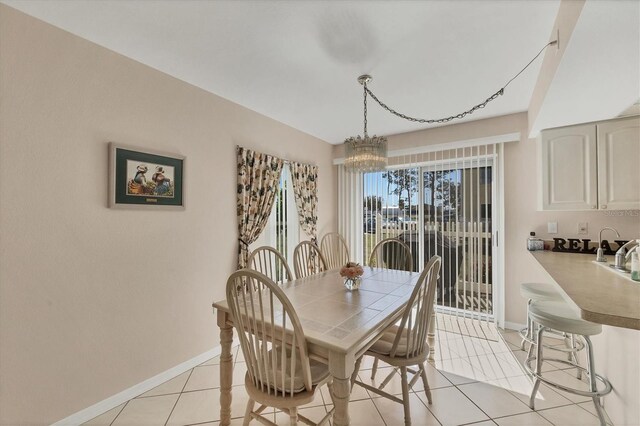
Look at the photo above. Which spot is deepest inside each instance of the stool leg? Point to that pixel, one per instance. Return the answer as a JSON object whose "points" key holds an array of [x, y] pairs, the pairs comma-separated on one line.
{"points": [[593, 387], [529, 326], [536, 384], [574, 356], [568, 344], [532, 345]]}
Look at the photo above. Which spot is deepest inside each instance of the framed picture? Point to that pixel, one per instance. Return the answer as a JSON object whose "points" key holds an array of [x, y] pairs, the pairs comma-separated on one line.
{"points": [[141, 178]]}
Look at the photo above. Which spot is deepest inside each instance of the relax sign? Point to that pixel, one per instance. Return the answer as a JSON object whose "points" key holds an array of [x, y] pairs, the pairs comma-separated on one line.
{"points": [[575, 245]]}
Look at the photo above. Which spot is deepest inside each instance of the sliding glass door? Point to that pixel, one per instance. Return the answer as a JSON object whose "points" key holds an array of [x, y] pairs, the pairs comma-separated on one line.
{"points": [[458, 200], [446, 207]]}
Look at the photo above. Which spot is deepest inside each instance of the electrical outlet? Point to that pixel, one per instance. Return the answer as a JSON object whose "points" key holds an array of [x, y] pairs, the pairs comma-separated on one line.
{"points": [[583, 227], [552, 227]]}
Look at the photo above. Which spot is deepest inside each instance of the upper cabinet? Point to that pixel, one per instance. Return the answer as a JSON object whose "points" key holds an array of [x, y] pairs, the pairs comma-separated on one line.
{"points": [[619, 164], [592, 166]]}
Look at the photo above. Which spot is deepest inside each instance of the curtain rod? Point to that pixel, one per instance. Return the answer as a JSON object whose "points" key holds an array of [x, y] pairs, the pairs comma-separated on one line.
{"points": [[284, 160]]}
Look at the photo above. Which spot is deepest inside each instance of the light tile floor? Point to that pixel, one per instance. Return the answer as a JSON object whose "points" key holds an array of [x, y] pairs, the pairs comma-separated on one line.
{"points": [[477, 378]]}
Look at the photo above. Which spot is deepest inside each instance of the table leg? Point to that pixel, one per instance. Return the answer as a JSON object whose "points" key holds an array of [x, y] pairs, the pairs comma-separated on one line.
{"points": [[431, 335], [226, 369], [341, 367]]}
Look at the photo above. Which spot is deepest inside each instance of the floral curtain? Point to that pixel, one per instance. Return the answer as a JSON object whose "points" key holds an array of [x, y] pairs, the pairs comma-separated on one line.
{"points": [[305, 190], [258, 177]]}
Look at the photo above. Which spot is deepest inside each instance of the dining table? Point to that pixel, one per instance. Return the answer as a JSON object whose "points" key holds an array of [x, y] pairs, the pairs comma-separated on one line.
{"points": [[339, 325]]}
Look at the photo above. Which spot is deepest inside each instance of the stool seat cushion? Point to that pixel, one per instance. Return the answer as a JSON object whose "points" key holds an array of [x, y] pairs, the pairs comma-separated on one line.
{"points": [[559, 316], [539, 291]]}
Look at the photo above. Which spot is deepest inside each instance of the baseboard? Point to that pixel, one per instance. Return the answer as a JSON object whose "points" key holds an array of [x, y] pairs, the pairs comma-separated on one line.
{"points": [[513, 326], [105, 405]]}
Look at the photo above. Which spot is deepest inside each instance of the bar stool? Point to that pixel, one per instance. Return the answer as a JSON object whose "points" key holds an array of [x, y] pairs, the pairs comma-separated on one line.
{"points": [[546, 292], [559, 316], [531, 292]]}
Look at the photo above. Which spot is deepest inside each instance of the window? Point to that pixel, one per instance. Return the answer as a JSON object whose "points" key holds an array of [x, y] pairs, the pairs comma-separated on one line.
{"points": [[390, 207], [282, 230]]}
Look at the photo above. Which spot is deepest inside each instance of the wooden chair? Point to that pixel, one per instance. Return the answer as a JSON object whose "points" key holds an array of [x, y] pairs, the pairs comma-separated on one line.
{"points": [[279, 371], [406, 345], [391, 253], [271, 263], [334, 249], [308, 260]]}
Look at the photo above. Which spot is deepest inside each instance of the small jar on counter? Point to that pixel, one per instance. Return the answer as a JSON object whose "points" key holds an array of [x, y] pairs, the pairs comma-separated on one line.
{"points": [[534, 243]]}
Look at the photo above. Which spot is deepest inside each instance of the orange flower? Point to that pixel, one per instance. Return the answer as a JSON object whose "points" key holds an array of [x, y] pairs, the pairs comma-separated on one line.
{"points": [[351, 270]]}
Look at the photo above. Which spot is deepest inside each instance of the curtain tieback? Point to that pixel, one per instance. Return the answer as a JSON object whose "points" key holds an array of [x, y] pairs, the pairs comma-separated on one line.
{"points": [[246, 246]]}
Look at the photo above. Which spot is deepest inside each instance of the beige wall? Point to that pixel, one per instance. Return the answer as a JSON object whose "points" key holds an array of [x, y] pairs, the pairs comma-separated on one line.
{"points": [[95, 300]]}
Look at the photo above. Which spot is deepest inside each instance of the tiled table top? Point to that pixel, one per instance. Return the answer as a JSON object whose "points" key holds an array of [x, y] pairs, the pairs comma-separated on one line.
{"points": [[336, 317]]}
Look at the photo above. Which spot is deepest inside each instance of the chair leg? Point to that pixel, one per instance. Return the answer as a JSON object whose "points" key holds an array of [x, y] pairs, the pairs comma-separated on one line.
{"points": [[536, 384], [247, 413], [293, 416], [425, 383], [388, 378], [405, 396], [356, 369], [374, 369]]}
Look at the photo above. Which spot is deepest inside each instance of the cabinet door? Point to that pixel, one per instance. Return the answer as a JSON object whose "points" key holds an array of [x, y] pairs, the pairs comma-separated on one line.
{"points": [[569, 174], [619, 164]]}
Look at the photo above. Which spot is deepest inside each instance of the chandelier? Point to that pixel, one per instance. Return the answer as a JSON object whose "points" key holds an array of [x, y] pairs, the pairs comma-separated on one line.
{"points": [[369, 153]]}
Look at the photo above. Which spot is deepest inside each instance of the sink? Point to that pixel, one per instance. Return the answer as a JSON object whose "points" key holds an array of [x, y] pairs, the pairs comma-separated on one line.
{"points": [[610, 267]]}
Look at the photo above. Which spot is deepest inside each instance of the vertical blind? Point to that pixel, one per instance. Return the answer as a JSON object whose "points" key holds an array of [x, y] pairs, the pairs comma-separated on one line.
{"points": [[439, 202]]}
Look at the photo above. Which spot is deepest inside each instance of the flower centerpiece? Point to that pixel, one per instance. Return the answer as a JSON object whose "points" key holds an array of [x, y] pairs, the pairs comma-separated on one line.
{"points": [[351, 273]]}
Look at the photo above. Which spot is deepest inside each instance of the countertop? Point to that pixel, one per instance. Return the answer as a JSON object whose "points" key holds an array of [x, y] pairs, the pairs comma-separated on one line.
{"points": [[602, 296]]}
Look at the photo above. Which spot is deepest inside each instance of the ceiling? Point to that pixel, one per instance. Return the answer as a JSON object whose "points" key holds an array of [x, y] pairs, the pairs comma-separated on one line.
{"points": [[599, 75], [297, 62]]}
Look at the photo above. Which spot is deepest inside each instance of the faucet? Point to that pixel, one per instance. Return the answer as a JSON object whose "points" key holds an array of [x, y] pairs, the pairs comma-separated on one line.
{"points": [[622, 256], [600, 253]]}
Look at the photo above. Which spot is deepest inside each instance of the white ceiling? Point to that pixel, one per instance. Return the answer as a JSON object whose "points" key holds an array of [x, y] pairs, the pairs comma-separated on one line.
{"points": [[297, 62], [599, 75]]}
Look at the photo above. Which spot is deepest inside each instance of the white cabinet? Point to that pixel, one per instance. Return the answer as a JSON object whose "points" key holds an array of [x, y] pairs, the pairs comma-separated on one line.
{"points": [[619, 164], [569, 168], [591, 166]]}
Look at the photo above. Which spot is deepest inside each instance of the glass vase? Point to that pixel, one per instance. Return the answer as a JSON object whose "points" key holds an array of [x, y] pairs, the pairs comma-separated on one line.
{"points": [[352, 283]]}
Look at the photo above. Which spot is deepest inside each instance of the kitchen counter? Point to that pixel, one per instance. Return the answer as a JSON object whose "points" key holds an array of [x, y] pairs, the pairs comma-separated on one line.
{"points": [[602, 296]]}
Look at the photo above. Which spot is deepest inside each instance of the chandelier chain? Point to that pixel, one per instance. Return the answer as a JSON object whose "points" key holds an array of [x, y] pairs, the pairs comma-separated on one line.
{"points": [[365, 109], [452, 117]]}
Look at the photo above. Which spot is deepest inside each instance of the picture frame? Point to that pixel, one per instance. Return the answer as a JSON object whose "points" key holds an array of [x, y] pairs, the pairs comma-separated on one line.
{"points": [[141, 178]]}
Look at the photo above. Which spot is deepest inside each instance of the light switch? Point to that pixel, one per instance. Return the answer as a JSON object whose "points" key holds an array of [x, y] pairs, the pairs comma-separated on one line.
{"points": [[552, 227], [583, 227]]}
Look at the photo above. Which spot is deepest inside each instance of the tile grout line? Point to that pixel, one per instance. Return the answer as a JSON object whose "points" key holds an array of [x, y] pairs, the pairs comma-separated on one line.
{"points": [[477, 406], [121, 410], [427, 405], [178, 398]]}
